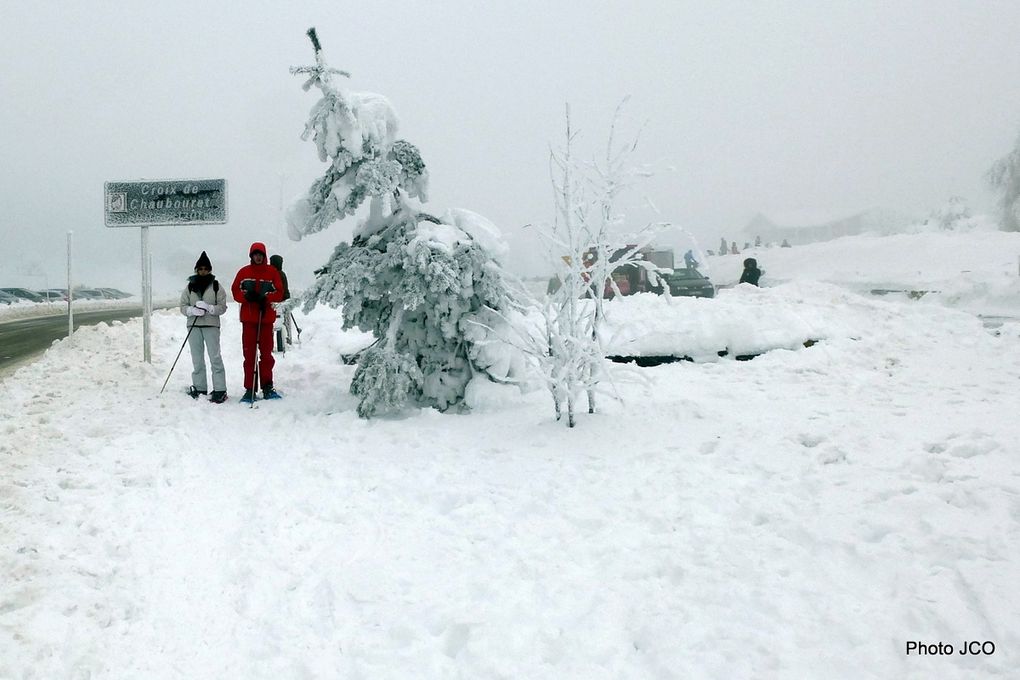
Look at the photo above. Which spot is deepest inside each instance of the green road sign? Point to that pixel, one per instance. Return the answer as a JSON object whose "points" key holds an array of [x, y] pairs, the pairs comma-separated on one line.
{"points": [[166, 202]]}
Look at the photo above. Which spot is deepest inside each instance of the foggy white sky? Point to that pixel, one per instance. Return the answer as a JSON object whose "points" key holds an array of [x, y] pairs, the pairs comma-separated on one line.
{"points": [[775, 107]]}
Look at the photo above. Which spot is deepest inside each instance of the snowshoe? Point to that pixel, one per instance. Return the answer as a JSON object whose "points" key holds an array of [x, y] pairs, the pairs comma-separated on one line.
{"points": [[218, 397], [193, 392], [271, 394], [249, 397]]}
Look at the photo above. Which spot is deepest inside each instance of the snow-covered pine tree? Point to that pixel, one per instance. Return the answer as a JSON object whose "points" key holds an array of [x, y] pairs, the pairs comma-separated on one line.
{"points": [[417, 282], [1004, 176]]}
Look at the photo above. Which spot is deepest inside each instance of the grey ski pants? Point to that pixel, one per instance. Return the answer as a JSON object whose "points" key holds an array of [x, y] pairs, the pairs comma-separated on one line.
{"points": [[207, 339]]}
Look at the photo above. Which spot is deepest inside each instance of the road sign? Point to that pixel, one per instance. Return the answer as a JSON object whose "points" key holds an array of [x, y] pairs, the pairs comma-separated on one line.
{"points": [[166, 202], [152, 203]]}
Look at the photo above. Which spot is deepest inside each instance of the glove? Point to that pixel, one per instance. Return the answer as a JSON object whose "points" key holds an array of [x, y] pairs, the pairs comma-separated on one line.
{"points": [[202, 304], [252, 296], [195, 311]]}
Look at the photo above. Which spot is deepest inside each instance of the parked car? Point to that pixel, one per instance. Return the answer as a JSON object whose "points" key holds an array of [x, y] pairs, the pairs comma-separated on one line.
{"points": [[689, 282], [88, 294], [55, 294], [633, 278], [113, 293], [7, 298], [23, 294]]}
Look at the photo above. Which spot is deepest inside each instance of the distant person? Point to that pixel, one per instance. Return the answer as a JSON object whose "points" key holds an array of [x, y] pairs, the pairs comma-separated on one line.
{"points": [[256, 286], [619, 281], [203, 301], [751, 273], [723, 248], [689, 260], [733, 248], [277, 262], [757, 241], [553, 285], [785, 244]]}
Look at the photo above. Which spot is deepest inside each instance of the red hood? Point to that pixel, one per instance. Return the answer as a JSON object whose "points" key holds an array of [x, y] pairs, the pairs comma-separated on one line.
{"points": [[260, 247]]}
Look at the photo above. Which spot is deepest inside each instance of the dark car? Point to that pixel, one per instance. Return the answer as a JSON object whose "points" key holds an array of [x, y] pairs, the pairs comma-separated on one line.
{"points": [[24, 294], [113, 293], [689, 282], [7, 298], [88, 294]]}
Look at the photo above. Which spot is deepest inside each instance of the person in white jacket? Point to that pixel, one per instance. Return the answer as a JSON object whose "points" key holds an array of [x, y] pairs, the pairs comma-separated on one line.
{"points": [[203, 301]]}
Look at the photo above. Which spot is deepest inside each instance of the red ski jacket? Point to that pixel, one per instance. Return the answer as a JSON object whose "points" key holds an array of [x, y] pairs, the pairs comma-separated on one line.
{"points": [[261, 278]]}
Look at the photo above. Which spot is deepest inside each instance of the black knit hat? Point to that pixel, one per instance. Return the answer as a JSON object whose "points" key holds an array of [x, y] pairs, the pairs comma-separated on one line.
{"points": [[203, 261]]}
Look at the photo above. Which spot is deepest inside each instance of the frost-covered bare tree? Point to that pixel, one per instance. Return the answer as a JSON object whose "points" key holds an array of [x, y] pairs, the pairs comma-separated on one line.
{"points": [[951, 215], [586, 243], [417, 282], [1004, 176]]}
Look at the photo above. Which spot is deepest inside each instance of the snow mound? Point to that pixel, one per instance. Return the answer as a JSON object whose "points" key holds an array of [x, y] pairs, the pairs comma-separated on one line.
{"points": [[484, 232]]}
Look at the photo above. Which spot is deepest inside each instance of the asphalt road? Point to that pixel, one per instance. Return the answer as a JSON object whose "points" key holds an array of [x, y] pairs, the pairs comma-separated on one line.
{"points": [[23, 339]]}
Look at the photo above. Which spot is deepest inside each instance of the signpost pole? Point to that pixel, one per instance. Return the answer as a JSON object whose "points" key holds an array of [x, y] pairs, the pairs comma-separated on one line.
{"points": [[70, 290], [146, 299]]}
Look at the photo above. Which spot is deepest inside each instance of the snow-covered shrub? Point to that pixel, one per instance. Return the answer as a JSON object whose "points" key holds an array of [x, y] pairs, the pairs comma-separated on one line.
{"points": [[586, 245], [418, 283]]}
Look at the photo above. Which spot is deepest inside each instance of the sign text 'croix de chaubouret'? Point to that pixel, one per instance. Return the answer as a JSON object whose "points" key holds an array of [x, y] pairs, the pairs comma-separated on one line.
{"points": [[166, 202]]}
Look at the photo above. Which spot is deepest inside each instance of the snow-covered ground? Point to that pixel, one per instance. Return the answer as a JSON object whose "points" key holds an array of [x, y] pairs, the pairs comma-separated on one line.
{"points": [[977, 270], [801, 515]]}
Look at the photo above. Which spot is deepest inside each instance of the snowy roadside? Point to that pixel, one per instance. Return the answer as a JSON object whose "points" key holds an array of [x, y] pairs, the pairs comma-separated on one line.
{"points": [[804, 514], [27, 310]]}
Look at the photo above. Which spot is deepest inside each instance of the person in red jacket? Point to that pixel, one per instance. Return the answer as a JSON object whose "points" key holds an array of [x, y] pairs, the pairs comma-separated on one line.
{"points": [[256, 287]]}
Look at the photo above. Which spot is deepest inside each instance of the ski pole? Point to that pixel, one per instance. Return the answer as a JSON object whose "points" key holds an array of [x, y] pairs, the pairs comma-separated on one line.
{"points": [[296, 327], [257, 354], [190, 328]]}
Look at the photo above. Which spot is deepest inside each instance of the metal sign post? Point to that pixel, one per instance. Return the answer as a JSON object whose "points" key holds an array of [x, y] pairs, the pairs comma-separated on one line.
{"points": [[149, 203], [146, 299], [70, 290]]}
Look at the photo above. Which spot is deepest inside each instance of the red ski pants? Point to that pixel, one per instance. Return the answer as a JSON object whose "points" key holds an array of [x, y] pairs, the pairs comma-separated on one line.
{"points": [[265, 352]]}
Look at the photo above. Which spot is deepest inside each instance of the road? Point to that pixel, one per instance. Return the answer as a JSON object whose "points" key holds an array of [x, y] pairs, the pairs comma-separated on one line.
{"points": [[22, 340]]}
